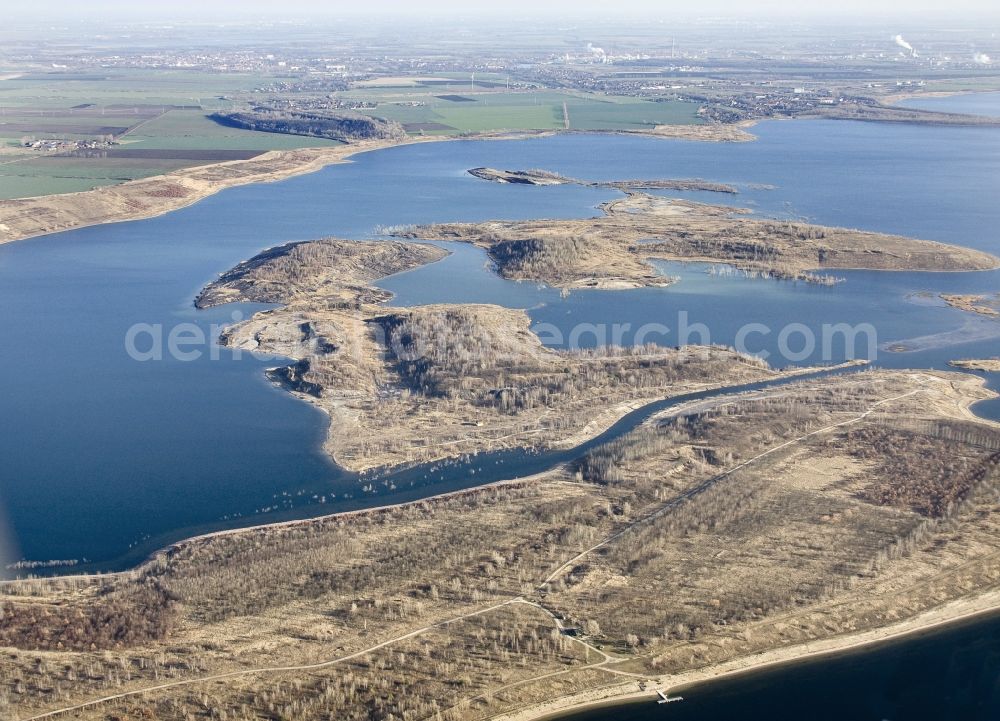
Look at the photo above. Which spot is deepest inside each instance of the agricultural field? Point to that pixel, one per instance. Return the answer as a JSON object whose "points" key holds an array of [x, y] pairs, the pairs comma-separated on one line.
{"points": [[463, 108], [159, 121]]}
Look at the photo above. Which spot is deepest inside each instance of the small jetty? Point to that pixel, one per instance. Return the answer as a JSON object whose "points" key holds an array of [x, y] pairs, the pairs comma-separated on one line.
{"points": [[666, 698]]}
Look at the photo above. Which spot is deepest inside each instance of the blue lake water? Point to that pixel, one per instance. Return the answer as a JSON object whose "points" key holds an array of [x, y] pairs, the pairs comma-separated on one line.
{"points": [[985, 104], [947, 674], [103, 457]]}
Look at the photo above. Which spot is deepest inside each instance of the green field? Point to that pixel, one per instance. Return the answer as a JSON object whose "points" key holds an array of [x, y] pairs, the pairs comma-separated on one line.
{"points": [[15, 186], [522, 110], [167, 111], [183, 129], [48, 106], [48, 174]]}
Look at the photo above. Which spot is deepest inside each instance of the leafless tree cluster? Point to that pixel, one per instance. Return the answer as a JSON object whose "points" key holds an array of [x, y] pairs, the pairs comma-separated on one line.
{"points": [[115, 618], [458, 352], [359, 562], [926, 473], [536, 257], [418, 679], [781, 545], [717, 438]]}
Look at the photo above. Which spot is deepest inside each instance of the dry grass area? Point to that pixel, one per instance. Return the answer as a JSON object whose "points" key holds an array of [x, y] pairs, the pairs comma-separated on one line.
{"points": [[709, 132], [717, 530], [406, 385], [612, 249]]}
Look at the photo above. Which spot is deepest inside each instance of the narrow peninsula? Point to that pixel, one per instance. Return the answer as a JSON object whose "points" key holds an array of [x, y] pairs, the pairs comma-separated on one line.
{"points": [[545, 177]]}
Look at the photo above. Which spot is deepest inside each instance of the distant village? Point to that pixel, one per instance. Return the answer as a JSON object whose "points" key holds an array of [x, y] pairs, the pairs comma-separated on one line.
{"points": [[64, 145]]}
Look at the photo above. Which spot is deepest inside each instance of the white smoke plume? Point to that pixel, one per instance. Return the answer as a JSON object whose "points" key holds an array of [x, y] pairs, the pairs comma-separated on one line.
{"points": [[596, 50], [982, 59], [905, 45]]}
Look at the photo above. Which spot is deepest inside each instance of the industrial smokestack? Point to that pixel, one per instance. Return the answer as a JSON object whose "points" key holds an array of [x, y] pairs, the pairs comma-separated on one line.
{"points": [[905, 45]]}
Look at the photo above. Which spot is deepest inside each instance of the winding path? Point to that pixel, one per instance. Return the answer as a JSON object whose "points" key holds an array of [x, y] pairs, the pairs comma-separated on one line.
{"points": [[705, 485], [269, 669], [605, 657]]}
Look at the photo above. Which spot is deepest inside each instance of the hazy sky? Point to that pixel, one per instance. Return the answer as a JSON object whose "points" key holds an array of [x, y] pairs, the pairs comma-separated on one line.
{"points": [[565, 8]]}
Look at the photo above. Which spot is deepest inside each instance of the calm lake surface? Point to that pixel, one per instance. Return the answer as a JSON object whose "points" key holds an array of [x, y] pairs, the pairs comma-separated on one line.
{"points": [[103, 458]]}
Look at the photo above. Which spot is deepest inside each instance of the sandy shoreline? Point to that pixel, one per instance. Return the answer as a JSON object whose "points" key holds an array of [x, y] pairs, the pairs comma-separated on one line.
{"points": [[949, 613], [197, 538], [22, 218]]}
